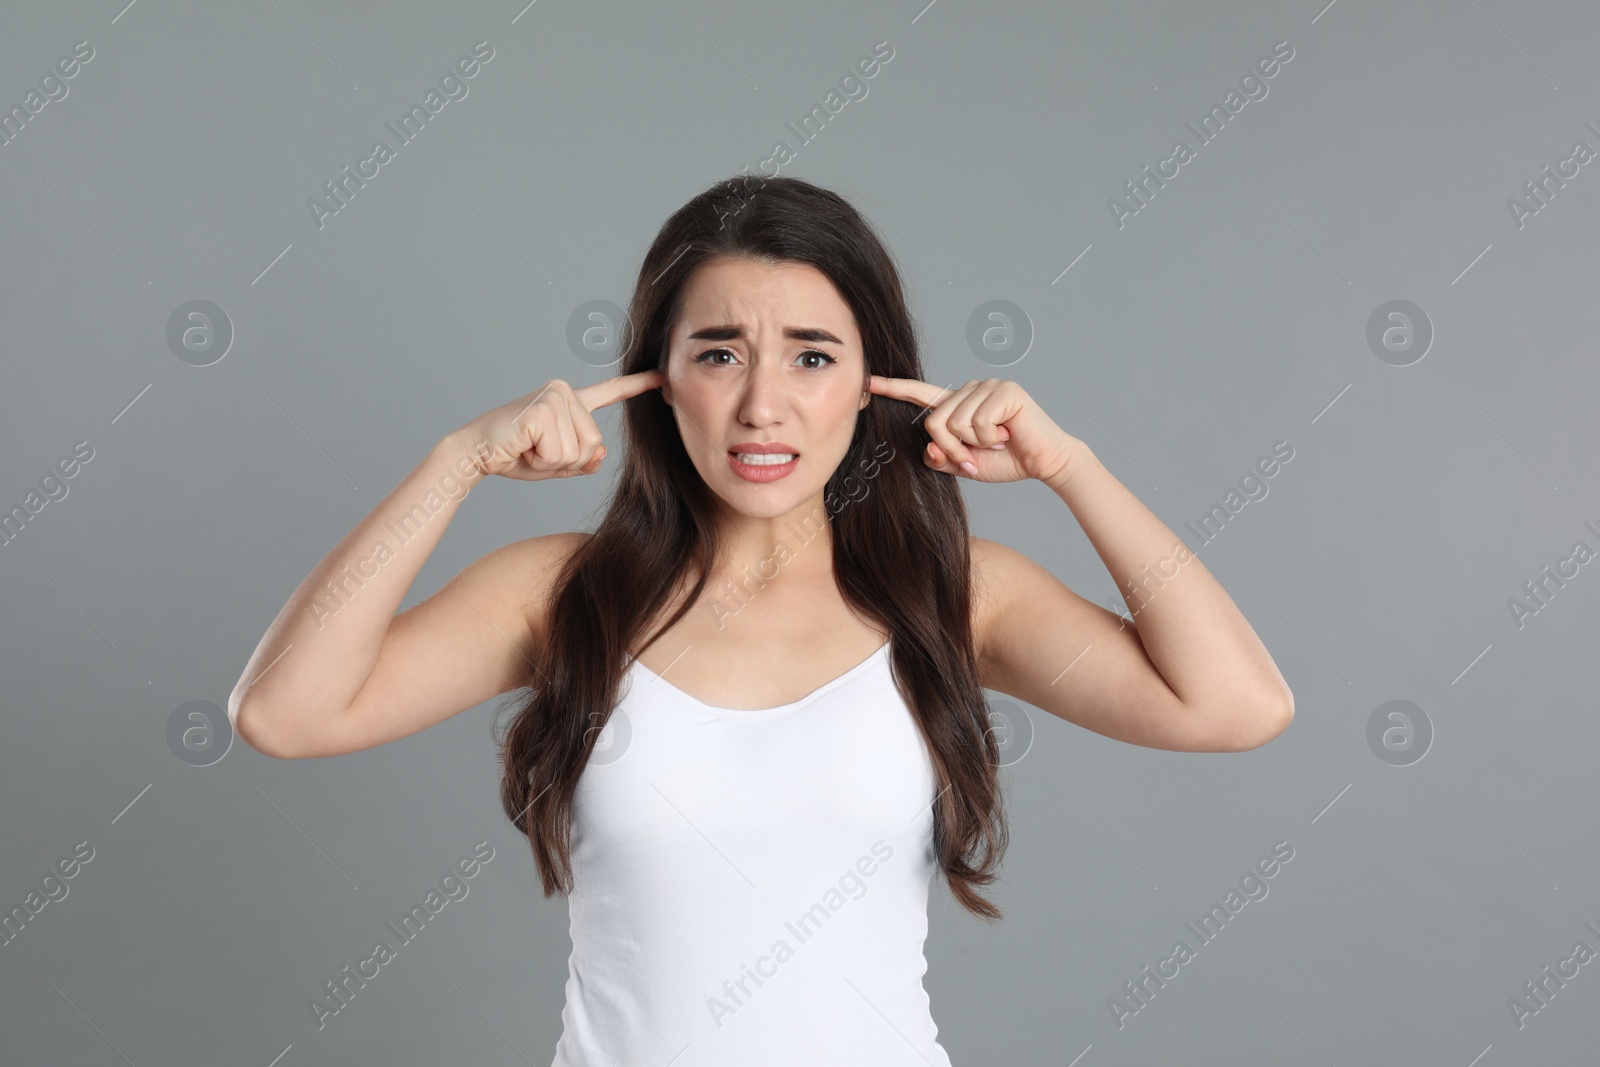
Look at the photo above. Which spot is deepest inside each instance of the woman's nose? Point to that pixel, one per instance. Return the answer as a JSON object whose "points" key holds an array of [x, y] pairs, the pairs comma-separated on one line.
{"points": [[764, 397]]}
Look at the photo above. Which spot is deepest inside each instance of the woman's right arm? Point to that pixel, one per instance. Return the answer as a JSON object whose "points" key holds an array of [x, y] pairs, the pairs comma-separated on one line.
{"points": [[339, 671]]}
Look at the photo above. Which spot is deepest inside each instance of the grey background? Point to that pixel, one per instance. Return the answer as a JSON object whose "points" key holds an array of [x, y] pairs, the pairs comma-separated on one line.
{"points": [[1229, 314]]}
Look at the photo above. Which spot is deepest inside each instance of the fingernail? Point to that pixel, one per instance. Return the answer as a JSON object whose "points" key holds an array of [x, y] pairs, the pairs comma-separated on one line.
{"points": [[1001, 445], [969, 466]]}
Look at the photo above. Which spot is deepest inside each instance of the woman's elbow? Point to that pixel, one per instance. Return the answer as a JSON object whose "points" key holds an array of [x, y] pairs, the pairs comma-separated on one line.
{"points": [[1242, 729], [255, 728], [1269, 723]]}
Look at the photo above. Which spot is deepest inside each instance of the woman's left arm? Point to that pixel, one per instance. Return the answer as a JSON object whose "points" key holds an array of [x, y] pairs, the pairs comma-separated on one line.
{"points": [[1194, 634], [1189, 674]]}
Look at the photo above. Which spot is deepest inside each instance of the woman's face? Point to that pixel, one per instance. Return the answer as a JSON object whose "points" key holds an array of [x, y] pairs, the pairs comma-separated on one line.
{"points": [[765, 355]]}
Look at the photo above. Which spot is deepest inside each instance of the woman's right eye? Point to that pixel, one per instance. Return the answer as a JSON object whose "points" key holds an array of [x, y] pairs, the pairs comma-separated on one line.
{"points": [[704, 356]]}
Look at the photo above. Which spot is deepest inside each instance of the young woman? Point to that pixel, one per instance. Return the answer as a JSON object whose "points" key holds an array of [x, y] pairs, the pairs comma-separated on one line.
{"points": [[753, 725]]}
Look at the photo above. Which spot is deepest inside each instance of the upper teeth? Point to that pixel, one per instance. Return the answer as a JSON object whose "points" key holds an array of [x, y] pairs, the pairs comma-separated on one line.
{"points": [[765, 458]]}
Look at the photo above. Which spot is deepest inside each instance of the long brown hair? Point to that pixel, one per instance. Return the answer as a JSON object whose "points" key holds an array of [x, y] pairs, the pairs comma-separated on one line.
{"points": [[900, 550]]}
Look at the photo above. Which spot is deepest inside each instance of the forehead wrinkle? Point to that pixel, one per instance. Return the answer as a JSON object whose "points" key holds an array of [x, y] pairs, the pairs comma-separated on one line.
{"points": [[742, 306]]}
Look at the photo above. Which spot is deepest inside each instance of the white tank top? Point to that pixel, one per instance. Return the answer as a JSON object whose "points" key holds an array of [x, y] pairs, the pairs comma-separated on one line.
{"points": [[751, 887]]}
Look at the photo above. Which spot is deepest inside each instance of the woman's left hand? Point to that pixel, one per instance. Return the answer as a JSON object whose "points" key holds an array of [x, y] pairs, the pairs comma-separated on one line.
{"points": [[989, 430]]}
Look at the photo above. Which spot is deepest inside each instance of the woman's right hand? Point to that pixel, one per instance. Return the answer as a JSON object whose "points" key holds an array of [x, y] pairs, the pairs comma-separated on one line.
{"points": [[549, 433]]}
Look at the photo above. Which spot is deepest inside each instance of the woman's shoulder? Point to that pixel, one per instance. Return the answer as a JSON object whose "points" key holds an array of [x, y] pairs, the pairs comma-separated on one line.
{"points": [[989, 559], [529, 568], [533, 555], [987, 562], [999, 572]]}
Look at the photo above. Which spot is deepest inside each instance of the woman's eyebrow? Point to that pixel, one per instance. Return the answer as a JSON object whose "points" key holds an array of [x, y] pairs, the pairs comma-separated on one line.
{"points": [[812, 334]]}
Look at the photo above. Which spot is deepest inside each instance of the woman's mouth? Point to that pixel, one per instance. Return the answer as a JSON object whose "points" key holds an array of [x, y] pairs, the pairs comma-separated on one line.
{"points": [[763, 467]]}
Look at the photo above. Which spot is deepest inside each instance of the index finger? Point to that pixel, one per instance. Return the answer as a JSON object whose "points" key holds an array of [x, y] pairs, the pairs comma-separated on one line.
{"points": [[912, 389], [621, 387]]}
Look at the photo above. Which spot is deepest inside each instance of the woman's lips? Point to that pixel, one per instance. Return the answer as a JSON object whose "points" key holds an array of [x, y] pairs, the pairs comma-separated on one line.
{"points": [[767, 472]]}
